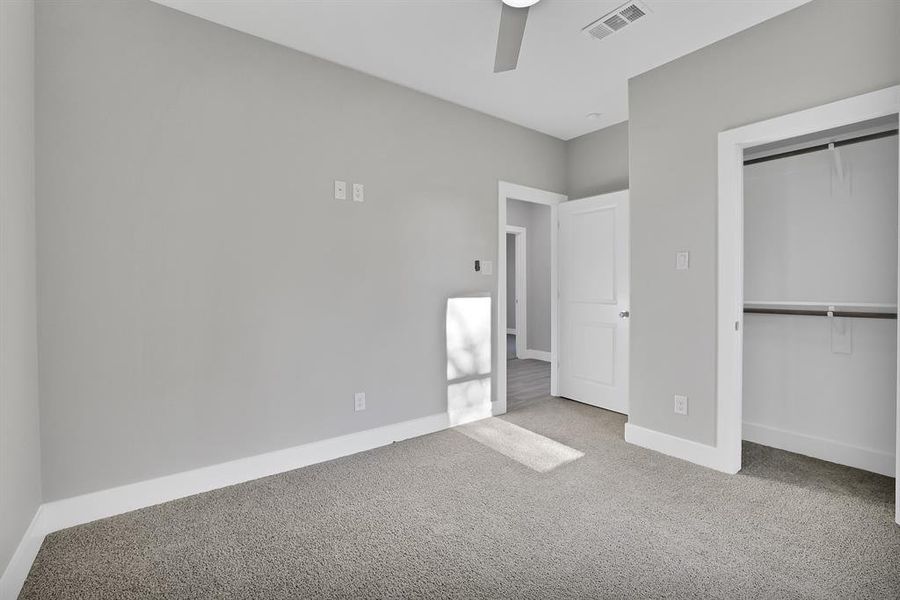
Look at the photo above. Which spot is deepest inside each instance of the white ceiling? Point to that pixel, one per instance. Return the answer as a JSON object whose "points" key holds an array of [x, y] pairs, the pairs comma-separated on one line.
{"points": [[445, 48]]}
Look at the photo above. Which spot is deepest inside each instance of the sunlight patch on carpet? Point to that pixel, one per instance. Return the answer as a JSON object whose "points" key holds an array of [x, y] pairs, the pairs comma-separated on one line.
{"points": [[527, 447]]}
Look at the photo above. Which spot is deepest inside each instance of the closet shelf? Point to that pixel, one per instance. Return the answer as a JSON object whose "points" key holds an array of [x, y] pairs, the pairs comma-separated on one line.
{"points": [[862, 310]]}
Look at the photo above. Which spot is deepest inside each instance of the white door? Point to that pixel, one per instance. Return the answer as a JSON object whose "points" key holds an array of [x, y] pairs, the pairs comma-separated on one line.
{"points": [[593, 300]]}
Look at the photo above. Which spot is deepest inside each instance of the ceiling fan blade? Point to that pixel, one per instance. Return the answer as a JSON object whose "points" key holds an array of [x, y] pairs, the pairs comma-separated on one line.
{"points": [[509, 39]]}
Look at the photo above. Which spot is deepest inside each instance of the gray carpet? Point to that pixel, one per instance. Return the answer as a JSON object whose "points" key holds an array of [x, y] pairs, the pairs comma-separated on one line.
{"points": [[443, 516]]}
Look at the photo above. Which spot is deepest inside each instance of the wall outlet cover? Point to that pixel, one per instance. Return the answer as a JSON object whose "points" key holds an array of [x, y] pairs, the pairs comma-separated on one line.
{"points": [[359, 401], [682, 260], [681, 405], [359, 192], [487, 267]]}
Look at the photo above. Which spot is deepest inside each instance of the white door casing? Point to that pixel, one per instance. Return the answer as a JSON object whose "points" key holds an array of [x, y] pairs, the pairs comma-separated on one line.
{"points": [[521, 292], [594, 300]]}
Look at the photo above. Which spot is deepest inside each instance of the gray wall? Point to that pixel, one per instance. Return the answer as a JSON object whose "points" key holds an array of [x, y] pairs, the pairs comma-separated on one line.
{"points": [[597, 162], [20, 453], [511, 281], [535, 218], [201, 295], [820, 52]]}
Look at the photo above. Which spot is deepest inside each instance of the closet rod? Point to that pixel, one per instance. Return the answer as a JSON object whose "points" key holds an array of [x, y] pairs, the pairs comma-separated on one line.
{"points": [[819, 147], [821, 313]]}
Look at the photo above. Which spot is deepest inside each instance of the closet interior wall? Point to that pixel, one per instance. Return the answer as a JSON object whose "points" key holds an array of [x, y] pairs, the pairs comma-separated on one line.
{"points": [[821, 228]]}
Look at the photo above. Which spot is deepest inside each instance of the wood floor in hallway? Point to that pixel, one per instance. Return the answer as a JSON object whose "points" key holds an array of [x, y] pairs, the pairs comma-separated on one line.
{"points": [[527, 382]]}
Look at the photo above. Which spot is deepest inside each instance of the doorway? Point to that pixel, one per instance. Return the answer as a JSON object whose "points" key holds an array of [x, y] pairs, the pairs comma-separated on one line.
{"points": [[547, 201], [732, 304]]}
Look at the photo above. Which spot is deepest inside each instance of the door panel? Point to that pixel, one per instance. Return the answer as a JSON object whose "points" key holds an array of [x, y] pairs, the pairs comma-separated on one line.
{"points": [[593, 291], [593, 235], [593, 356]]}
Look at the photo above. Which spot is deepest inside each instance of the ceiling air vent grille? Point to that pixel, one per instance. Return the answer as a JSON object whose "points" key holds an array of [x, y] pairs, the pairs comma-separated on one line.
{"points": [[632, 12], [616, 20]]}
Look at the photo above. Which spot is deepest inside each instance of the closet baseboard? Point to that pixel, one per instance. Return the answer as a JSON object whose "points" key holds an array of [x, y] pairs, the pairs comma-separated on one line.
{"points": [[867, 459]]}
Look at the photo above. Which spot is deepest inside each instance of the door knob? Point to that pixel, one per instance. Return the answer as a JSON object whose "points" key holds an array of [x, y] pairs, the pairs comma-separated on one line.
{"points": [[624, 314]]}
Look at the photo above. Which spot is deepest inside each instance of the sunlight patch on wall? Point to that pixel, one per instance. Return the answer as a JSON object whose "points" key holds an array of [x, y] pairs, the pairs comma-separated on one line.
{"points": [[469, 401], [468, 326]]}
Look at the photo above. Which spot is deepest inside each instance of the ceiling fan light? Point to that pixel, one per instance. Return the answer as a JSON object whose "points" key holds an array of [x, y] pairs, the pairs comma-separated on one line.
{"points": [[520, 3]]}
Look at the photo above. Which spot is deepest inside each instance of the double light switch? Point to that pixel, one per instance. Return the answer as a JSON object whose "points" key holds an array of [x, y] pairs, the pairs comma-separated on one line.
{"points": [[340, 191]]}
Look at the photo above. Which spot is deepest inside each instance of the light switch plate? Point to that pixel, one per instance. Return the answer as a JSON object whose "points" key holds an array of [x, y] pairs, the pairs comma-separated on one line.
{"points": [[682, 260], [487, 267], [358, 192], [681, 405], [340, 190]]}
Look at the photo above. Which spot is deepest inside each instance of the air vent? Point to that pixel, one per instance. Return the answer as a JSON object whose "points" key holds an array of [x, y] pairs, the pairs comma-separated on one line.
{"points": [[632, 12], [616, 20]]}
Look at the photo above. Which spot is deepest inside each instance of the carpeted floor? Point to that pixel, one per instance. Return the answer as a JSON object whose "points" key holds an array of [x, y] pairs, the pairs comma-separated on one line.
{"points": [[444, 516]]}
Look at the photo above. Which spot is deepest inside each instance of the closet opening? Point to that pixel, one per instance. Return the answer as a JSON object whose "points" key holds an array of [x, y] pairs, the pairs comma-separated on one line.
{"points": [[820, 301], [806, 360]]}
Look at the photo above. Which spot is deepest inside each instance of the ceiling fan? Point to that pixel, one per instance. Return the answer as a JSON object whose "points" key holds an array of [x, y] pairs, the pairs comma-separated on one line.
{"points": [[512, 28]]}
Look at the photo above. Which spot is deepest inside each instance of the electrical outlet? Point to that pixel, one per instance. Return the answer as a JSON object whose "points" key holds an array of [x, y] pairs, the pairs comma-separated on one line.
{"points": [[682, 261], [359, 400], [340, 190], [681, 405], [359, 192], [487, 267]]}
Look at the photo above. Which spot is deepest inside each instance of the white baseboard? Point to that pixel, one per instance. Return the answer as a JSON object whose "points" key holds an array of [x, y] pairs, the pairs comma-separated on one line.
{"points": [[511, 332], [60, 514], [536, 355], [22, 559], [867, 459], [670, 445]]}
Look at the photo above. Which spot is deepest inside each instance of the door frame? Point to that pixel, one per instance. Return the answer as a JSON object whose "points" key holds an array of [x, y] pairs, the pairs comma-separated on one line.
{"points": [[520, 234], [513, 191], [730, 320]]}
